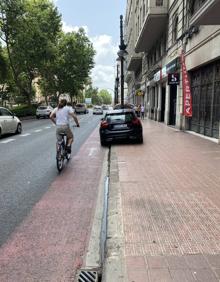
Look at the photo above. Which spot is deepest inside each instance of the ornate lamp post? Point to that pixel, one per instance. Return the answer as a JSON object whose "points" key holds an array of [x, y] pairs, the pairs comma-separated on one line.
{"points": [[121, 56], [116, 87]]}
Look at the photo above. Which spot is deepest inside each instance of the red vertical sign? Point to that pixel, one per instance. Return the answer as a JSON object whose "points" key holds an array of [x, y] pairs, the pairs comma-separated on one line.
{"points": [[187, 97]]}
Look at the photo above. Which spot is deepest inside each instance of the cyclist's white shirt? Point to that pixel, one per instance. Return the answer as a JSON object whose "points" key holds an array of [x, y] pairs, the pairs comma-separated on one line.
{"points": [[62, 115]]}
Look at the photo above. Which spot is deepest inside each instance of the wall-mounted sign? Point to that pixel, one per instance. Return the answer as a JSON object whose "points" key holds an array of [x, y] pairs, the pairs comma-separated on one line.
{"points": [[163, 72], [139, 92], [173, 79], [173, 66], [187, 97]]}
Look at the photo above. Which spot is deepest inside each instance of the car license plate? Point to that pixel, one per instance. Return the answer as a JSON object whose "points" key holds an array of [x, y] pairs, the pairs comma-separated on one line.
{"points": [[120, 126]]}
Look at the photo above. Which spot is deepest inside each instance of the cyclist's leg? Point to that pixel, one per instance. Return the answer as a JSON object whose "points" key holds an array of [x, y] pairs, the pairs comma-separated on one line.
{"points": [[69, 136]]}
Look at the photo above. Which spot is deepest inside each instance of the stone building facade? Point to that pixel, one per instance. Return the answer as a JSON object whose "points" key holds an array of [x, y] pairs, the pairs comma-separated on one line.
{"points": [[157, 32]]}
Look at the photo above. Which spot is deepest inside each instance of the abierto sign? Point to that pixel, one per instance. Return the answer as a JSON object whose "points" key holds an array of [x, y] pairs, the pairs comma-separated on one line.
{"points": [[187, 97]]}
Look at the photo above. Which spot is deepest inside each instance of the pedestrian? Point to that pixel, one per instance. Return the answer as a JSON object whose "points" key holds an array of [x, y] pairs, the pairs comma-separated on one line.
{"points": [[142, 112]]}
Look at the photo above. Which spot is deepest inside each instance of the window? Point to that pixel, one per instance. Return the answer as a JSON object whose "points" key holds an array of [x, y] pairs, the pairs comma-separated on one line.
{"points": [[159, 2], [5, 112], [175, 28]]}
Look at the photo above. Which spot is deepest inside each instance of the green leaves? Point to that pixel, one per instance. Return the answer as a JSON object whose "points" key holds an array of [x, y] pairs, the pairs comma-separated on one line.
{"points": [[36, 48]]}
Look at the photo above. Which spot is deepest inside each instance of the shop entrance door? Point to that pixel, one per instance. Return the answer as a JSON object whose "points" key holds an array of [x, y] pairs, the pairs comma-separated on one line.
{"points": [[163, 103], [173, 93]]}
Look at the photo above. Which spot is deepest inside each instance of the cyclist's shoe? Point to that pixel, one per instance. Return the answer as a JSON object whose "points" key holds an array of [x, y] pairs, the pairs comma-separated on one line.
{"points": [[68, 149]]}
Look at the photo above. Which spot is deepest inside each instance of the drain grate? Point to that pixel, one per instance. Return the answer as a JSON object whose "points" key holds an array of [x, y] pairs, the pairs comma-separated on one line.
{"points": [[88, 276]]}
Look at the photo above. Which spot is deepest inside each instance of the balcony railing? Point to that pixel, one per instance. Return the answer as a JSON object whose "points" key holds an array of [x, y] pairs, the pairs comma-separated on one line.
{"points": [[204, 12]]}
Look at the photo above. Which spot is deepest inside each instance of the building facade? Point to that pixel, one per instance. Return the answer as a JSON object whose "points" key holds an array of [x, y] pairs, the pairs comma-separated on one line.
{"points": [[157, 32]]}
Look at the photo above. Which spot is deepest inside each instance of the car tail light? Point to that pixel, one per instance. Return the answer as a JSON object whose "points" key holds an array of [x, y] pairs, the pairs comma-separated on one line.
{"points": [[136, 121], [104, 124]]}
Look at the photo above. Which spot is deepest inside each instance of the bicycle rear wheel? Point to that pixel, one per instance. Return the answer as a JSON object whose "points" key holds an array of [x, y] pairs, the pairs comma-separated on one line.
{"points": [[60, 159]]}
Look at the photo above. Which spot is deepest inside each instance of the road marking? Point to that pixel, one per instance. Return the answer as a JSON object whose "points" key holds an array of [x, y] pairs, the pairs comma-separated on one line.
{"points": [[24, 135], [7, 141], [38, 130], [47, 127]]}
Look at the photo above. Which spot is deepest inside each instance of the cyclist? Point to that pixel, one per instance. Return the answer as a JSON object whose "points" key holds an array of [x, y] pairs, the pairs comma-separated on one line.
{"points": [[60, 117]]}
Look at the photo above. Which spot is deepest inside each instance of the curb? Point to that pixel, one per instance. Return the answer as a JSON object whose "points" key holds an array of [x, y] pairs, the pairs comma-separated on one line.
{"points": [[93, 258], [114, 266]]}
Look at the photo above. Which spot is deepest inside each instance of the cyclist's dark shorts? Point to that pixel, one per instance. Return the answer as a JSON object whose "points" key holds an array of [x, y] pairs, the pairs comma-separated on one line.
{"points": [[63, 129]]}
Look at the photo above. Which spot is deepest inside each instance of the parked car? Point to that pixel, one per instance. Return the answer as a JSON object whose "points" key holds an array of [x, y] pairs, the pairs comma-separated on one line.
{"points": [[81, 108], [105, 107], [97, 110], [43, 111], [120, 124], [9, 123], [126, 106]]}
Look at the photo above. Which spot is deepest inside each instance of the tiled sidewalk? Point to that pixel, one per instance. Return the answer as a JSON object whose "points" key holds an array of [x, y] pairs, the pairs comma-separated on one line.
{"points": [[170, 204]]}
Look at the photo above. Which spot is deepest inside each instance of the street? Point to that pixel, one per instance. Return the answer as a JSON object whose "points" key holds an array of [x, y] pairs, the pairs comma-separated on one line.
{"points": [[28, 167]]}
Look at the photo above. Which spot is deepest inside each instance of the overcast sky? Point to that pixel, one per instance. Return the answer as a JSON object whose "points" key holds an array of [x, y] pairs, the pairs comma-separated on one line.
{"points": [[101, 20]]}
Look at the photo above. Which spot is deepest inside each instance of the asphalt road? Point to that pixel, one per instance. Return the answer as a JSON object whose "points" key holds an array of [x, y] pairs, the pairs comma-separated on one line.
{"points": [[28, 167]]}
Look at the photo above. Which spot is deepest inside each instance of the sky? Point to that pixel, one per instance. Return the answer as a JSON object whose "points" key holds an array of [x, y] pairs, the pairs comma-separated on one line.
{"points": [[101, 21]]}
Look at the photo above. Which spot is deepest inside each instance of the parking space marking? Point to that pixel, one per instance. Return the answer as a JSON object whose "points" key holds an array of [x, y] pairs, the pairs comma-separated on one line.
{"points": [[7, 141]]}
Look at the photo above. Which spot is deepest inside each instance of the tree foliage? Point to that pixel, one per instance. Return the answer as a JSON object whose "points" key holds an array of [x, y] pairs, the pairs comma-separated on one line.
{"points": [[106, 96], [29, 29]]}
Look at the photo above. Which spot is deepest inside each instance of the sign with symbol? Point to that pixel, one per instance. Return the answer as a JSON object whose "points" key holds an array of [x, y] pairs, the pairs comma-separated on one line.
{"points": [[173, 79]]}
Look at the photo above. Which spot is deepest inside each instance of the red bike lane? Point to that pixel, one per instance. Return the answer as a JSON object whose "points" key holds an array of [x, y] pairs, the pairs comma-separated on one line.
{"points": [[51, 242]]}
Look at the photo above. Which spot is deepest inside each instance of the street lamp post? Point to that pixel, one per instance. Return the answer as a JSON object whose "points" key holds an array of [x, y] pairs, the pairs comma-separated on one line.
{"points": [[116, 87], [121, 53]]}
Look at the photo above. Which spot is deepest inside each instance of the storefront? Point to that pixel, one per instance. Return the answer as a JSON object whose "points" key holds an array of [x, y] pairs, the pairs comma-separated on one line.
{"points": [[205, 87], [172, 70]]}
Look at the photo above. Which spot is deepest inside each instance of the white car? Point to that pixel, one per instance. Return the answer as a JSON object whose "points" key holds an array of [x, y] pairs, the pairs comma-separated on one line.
{"points": [[97, 110], [9, 123], [43, 111]]}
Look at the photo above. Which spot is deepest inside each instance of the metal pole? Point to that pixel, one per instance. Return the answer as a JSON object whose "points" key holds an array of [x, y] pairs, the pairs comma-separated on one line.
{"points": [[122, 47], [122, 81]]}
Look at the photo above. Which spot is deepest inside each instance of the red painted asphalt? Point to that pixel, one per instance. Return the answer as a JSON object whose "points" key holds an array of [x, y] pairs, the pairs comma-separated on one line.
{"points": [[51, 242]]}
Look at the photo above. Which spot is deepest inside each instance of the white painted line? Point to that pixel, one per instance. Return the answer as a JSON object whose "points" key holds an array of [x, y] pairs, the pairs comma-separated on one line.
{"points": [[47, 127], [38, 130], [7, 141], [24, 135]]}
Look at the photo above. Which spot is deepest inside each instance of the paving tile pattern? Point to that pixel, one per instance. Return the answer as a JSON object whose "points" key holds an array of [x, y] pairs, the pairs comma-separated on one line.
{"points": [[170, 190]]}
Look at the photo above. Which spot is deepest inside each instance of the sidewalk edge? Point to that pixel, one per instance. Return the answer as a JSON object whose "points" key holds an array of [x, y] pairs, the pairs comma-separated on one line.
{"points": [[93, 256], [114, 268]]}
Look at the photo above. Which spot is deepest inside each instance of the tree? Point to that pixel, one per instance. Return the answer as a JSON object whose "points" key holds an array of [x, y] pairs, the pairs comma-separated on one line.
{"points": [[29, 29], [106, 96], [75, 61]]}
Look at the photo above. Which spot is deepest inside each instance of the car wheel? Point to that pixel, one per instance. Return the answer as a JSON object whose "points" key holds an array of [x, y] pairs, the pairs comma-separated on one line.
{"points": [[0, 133], [103, 143], [140, 139], [19, 129]]}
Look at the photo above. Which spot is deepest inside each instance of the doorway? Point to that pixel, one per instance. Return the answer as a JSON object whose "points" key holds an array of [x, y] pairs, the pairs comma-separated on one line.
{"points": [[173, 93], [163, 103]]}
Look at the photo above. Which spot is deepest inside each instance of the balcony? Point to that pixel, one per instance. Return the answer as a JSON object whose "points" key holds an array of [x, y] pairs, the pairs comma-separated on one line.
{"points": [[134, 62], [154, 24], [205, 12]]}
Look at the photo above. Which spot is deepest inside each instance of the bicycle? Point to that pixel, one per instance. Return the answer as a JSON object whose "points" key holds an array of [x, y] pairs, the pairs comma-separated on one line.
{"points": [[62, 153]]}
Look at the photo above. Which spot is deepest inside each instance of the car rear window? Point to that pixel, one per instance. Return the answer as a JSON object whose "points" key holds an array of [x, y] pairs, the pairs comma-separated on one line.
{"points": [[117, 118], [79, 105], [42, 108]]}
